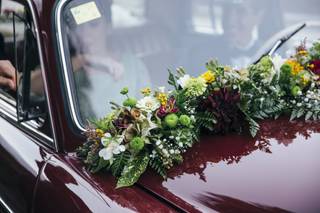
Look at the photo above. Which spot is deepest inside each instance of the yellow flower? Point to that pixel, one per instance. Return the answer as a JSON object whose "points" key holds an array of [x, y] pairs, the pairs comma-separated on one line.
{"points": [[209, 77], [100, 133], [296, 67], [146, 91], [227, 68], [162, 97], [311, 66], [302, 52], [305, 80]]}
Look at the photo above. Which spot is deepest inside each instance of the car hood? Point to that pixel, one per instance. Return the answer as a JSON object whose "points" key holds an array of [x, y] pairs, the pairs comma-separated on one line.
{"points": [[276, 171]]}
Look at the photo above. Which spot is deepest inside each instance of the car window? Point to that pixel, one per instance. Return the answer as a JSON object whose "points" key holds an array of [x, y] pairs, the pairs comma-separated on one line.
{"points": [[133, 43], [18, 47]]}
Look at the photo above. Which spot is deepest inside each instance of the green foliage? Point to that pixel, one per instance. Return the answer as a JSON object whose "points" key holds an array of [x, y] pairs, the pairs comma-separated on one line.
{"points": [[315, 50], [130, 102], [157, 165], [133, 170], [105, 124], [119, 163], [101, 164], [212, 65], [172, 80], [205, 119]]}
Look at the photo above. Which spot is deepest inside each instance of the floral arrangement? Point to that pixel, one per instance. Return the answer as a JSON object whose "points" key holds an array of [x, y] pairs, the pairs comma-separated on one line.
{"points": [[157, 129]]}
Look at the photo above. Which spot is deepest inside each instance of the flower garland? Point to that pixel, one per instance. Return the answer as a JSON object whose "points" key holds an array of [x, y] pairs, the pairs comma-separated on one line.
{"points": [[156, 130]]}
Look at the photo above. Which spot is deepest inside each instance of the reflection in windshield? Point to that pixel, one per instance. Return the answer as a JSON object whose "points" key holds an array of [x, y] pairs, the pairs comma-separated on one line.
{"points": [[132, 44]]}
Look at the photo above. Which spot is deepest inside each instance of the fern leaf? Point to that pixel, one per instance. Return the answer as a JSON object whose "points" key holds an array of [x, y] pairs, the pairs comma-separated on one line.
{"points": [[119, 163]]}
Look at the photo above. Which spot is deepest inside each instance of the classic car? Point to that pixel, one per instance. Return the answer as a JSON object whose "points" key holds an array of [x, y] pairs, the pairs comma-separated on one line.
{"points": [[73, 56]]}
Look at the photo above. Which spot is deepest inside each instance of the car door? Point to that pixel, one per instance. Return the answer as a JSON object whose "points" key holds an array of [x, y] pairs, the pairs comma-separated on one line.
{"points": [[25, 130]]}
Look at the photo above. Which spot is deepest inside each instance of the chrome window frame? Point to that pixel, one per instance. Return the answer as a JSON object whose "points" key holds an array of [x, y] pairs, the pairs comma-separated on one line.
{"points": [[8, 111], [61, 50], [4, 205]]}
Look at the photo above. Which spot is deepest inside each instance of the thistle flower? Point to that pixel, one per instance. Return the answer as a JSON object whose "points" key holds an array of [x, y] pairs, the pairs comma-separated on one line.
{"points": [[315, 66], [195, 87]]}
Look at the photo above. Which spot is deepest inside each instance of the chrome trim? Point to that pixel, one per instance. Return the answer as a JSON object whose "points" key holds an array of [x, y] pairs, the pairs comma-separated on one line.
{"points": [[43, 73], [58, 17], [10, 112], [2, 203]]}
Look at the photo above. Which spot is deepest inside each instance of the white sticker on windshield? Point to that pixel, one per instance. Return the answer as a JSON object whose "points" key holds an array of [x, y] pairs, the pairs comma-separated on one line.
{"points": [[85, 12]]}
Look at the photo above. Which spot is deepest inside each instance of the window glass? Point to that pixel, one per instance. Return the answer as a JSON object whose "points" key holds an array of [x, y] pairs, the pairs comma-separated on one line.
{"points": [[133, 43], [19, 51], [7, 43]]}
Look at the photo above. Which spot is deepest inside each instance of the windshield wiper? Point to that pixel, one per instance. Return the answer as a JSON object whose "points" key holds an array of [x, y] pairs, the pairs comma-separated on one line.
{"points": [[280, 42]]}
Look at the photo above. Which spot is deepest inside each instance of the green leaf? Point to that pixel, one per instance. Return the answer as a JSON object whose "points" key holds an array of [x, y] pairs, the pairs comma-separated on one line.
{"points": [[119, 163], [133, 170], [293, 114], [308, 115], [157, 165], [102, 164], [172, 80], [300, 113]]}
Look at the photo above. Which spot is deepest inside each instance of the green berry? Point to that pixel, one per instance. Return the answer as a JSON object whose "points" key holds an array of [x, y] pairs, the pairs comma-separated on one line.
{"points": [[285, 69], [137, 144], [171, 120], [295, 90], [130, 102], [185, 120], [124, 91]]}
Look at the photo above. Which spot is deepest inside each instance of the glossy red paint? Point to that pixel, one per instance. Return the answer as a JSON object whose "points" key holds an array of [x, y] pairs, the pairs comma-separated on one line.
{"points": [[73, 189], [277, 171]]}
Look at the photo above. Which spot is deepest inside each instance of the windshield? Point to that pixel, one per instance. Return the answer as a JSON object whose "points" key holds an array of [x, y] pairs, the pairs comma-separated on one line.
{"points": [[111, 44]]}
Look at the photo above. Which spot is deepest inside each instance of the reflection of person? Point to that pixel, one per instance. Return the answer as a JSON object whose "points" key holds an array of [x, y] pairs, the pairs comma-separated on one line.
{"points": [[246, 25], [8, 78], [7, 75], [106, 69]]}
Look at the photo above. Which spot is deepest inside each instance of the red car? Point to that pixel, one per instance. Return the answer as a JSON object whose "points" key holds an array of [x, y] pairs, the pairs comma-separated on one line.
{"points": [[73, 56]]}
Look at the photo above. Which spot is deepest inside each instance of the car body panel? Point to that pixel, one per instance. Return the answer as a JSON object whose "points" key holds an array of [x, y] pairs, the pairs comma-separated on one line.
{"points": [[73, 189], [277, 171], [21, 160], [220, 173]]}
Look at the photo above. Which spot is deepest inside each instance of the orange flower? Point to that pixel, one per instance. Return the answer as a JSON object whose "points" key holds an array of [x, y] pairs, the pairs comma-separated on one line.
{"points": [[296, 67]]}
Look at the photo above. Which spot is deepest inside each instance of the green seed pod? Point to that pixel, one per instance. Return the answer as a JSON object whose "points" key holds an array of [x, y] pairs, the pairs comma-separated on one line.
{"points": [[137, 144], [185, 120], [171, 120]]}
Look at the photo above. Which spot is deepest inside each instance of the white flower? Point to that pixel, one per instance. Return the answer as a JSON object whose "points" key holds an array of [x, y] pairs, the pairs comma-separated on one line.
{"points": [[277, 62], [162, 89], [106, 139], [183, 80], [112, 149], [148, 104], [150, 126], [107, 135]]}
